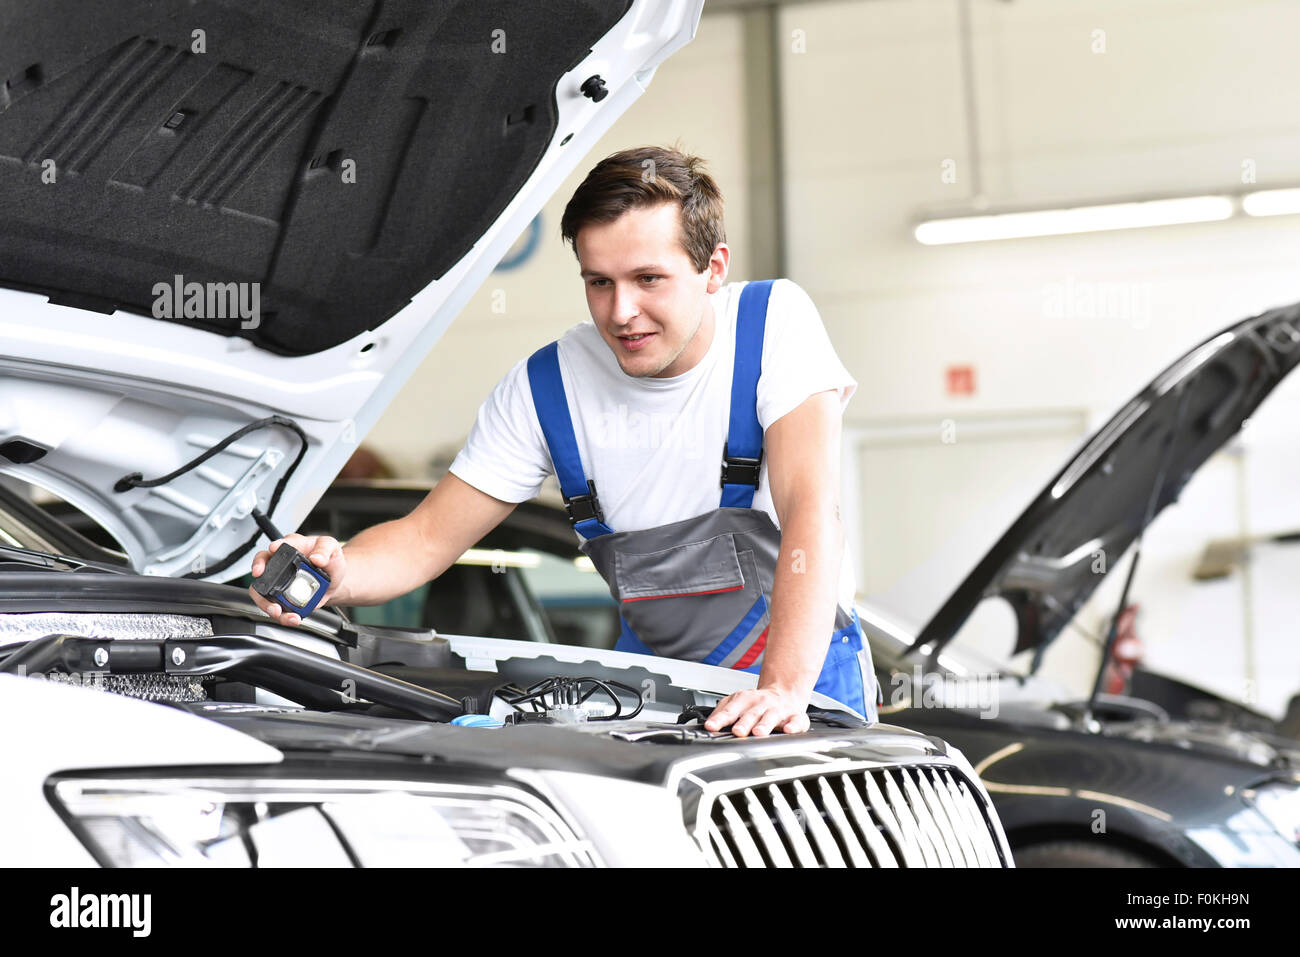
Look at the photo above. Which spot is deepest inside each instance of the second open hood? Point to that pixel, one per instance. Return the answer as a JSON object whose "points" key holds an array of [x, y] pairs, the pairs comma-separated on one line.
{"points": [[1046, 563]]}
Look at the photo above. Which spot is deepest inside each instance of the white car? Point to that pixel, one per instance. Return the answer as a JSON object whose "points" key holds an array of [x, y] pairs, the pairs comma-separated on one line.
{"points": [[226, 246]]}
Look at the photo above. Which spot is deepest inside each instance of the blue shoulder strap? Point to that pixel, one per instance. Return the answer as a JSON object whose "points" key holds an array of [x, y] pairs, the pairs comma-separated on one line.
{"points": [[742, 456], [579, 493]]}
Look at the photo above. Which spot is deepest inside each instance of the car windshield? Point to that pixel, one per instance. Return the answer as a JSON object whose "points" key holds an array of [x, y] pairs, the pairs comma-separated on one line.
{"points": [[16, 533], [36, 534]]}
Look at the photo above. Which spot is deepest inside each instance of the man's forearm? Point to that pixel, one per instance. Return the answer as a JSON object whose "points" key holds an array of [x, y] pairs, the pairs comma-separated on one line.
{"points": [[383, 562], [393, 558], [803, 598]]}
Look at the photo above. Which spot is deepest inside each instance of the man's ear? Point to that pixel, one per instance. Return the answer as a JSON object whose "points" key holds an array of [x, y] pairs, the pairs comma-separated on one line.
{"points": [[718, 264]]}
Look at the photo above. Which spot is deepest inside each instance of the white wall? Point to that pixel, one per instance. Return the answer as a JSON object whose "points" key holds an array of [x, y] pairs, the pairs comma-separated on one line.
{"points": [[1186, 96]]}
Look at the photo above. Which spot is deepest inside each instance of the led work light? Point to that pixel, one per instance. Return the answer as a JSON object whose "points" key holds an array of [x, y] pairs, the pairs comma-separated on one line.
{"points": [[289, 579]]}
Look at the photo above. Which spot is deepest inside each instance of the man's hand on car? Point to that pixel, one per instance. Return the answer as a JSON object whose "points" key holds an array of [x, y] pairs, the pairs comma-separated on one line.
{"points": [[759, 712], [322, 551]]}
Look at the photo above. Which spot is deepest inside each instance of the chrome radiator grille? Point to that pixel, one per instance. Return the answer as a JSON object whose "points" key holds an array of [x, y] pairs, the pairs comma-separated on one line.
{"points": [[923, 816]]}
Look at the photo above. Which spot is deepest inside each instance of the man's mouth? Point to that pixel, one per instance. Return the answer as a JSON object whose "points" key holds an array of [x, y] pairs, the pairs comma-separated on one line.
{"points": [[637, 341]]}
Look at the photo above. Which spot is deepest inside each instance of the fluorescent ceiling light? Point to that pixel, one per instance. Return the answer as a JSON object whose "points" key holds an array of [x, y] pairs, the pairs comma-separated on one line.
{"points": [[1081, 219], [1271, 202]]}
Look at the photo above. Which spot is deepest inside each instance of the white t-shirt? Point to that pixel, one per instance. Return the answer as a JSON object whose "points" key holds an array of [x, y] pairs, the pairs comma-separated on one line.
{"points": [[654, 446]]}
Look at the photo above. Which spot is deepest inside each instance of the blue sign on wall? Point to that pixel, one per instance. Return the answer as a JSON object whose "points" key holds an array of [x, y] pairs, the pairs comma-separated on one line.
{"points": [[524, 248]]}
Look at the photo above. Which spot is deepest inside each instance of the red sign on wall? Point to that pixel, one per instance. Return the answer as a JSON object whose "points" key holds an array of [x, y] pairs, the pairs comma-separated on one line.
{"points": [[961, 380]]}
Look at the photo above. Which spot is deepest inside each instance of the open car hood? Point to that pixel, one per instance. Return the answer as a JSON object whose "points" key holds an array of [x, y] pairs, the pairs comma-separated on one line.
{"points": [[1045, 564], [220, 214]]}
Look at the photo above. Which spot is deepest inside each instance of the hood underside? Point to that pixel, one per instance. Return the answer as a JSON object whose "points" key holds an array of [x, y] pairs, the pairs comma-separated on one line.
{"points": [[1045, 565], [342, 155]]}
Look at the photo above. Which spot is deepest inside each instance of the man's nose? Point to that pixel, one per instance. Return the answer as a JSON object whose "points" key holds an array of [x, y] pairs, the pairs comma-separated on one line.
{"points": [[626, 305]]}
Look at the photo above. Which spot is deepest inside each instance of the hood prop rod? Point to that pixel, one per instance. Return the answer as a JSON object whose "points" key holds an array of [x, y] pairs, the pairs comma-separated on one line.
{"points": [[1086, 717]]}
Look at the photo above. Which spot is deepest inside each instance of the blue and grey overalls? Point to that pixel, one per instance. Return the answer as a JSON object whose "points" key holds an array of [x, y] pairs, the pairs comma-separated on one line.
{"points": [[698, 589]]}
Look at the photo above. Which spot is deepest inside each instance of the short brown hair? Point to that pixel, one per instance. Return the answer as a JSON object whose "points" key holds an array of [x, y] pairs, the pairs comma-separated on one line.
{"points": [[648, 176]]}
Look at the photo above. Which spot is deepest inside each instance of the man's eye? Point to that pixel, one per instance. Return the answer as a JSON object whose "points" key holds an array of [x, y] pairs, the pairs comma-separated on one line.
{"points": [[598, 282], [652, 278]]}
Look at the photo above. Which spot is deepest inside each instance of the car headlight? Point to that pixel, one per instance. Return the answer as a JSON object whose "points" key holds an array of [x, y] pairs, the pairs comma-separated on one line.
{"points": [[190, 822], [1280, 805]]}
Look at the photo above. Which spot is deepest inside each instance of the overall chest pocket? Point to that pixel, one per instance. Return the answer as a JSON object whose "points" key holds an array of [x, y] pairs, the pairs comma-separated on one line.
{"points": [[695, 601], [694, 568]]}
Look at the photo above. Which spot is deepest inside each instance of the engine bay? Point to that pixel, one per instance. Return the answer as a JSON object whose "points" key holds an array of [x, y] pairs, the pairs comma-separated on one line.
{"points": [[185, 660]]}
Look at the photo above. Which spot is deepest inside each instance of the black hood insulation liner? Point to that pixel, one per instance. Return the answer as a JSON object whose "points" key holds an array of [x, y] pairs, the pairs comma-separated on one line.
{"points": [[341, 154]]}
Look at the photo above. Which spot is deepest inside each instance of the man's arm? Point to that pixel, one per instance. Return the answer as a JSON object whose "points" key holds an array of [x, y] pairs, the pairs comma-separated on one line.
{"points": [[803, 467], [395, 557]]}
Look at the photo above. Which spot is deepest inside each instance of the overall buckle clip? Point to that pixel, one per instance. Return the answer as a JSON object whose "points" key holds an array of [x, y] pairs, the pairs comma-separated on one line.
{"points": [[737, 470], [583, 508]]}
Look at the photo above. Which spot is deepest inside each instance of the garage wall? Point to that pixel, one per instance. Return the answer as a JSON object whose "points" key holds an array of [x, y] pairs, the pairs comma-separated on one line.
{"points": [[1186, 98], [875, 108]]}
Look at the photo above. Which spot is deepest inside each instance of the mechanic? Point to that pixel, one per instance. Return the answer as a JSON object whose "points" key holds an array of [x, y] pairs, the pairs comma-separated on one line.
{"points": [[678, 373]]}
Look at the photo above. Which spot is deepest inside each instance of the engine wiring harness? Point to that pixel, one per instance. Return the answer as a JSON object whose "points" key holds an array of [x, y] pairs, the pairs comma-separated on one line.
{"points": [[564, 699]]}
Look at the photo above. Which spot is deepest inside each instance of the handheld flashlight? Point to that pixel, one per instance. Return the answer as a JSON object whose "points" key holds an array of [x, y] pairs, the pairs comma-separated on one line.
{"points": [[289, 579]]}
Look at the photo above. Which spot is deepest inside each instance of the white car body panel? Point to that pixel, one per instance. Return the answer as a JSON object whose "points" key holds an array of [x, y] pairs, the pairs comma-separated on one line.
{"points": [[630, 824], [52, 727]]}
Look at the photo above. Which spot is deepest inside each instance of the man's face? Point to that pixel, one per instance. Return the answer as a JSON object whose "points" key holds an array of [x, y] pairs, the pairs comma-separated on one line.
{"points": [[652, 308]]}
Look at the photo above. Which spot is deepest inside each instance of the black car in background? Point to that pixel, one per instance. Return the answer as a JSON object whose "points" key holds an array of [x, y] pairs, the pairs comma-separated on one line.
{"points": [[1165, 773]]}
